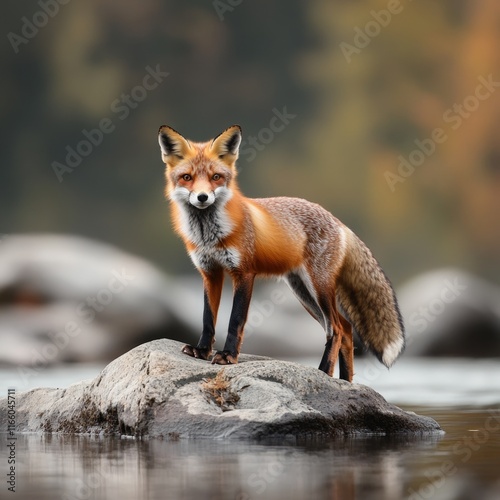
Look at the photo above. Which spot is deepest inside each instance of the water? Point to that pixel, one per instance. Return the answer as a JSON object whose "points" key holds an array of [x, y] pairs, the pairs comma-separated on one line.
{"points": [[462, 395]]}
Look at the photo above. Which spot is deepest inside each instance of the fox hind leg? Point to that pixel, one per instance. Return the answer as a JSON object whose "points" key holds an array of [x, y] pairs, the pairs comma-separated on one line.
{"points": [[340, 345], [346, 354], [302, 292], [334, 336], [324, 311]]}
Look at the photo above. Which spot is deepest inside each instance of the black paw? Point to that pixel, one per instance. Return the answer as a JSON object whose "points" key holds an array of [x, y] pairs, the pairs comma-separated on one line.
{"points": [[197, 352], [224, 358]]}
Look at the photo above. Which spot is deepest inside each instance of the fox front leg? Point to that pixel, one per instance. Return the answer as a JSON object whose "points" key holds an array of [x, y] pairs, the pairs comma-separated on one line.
{"points": [[212, 286], [243, 287]]}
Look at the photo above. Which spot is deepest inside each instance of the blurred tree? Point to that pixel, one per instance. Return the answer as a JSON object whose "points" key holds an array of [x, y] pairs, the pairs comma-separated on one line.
{"points": [[83, 65], [368, 82], [387, 76]]}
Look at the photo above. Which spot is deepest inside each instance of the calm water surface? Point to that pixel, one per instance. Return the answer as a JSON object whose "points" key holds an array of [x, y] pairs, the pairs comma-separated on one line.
{"points": [[462, 464]]}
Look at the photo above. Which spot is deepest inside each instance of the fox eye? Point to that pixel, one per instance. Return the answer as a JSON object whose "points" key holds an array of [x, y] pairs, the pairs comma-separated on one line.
{"points": [[216, 177], [187, 177]]}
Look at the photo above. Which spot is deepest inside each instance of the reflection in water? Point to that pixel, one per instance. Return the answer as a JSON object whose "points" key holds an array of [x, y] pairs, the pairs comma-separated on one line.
{"points": [[462, 464], [78, 467]]}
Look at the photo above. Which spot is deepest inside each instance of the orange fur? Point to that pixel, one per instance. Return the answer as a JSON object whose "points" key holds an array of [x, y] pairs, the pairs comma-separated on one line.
{"points": [[321, 259], [276, 250]]}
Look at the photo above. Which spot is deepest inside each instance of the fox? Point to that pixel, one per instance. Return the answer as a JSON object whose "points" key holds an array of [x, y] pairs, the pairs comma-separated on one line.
{"points": [[330, 270]]}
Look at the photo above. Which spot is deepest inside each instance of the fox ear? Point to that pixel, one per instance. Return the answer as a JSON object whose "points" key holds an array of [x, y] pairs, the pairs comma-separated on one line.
{"points": [[227, 144], [173, 146]]}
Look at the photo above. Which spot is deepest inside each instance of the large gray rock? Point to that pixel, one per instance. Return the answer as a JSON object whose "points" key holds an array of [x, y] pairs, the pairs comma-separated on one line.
{"points": [[449, 312], [154, 390], [67, 298]]}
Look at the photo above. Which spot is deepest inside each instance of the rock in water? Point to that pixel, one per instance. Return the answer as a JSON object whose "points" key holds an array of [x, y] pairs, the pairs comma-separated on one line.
{"points": [[156, 391]]}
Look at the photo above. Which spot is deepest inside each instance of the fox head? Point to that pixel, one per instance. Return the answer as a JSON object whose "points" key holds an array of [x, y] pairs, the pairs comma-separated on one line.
{"points": [[199, 174]]}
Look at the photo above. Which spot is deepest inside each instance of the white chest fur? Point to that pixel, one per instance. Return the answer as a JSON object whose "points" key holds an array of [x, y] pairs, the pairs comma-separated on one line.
{"points": [[207, 229], [206, 258]]}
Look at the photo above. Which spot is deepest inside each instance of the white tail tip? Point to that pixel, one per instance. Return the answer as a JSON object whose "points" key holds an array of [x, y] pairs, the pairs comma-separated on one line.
{"points": [[392, 351]]}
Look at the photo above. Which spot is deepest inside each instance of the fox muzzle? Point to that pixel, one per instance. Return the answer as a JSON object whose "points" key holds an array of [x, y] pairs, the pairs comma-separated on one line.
{"points": [[201, 200]]}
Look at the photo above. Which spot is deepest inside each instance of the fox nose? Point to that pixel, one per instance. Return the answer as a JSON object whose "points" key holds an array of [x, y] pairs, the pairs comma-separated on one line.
{"points": [[202, 197]]}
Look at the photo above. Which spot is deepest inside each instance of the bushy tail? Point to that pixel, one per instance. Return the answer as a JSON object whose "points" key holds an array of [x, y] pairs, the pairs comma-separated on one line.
{"points": [[366, 296]]}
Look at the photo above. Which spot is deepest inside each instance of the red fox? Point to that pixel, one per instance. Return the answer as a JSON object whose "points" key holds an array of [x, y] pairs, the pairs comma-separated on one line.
{"points": [[330, 270]]}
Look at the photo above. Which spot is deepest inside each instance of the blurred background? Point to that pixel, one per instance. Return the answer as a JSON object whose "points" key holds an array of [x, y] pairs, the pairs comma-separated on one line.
{"points": [[386, 113]]}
